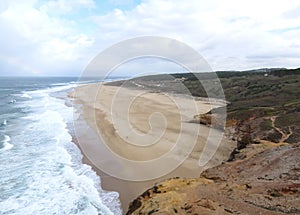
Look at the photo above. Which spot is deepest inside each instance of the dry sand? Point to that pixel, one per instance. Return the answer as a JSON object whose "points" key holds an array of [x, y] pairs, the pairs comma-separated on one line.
{"points": [[126, 120]]}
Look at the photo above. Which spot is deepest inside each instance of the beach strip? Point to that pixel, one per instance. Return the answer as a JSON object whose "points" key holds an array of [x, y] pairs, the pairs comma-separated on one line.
{"points": [[107, 111]]}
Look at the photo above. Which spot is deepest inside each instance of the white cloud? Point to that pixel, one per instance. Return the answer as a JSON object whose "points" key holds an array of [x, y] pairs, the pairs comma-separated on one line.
{"points": [[51, 37], [61, 7], [3, 6], [230, 34], [49, 44]]}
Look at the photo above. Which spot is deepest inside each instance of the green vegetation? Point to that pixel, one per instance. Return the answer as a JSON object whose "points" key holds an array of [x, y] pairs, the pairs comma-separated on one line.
{"points": [[255, 96]]}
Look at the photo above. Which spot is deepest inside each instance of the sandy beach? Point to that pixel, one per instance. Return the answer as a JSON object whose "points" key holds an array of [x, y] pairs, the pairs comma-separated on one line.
{"points": [[142, 127]]}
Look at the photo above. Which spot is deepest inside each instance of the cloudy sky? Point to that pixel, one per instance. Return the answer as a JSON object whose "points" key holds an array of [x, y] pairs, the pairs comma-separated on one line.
{"points": [[61, 37]]}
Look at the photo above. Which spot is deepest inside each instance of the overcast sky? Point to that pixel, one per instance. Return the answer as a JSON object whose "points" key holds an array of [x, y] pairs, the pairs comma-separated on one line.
{"points": [[60, 37]]}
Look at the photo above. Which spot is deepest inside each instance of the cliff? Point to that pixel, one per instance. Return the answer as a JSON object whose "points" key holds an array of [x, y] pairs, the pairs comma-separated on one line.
{"points": [[267, 182]]}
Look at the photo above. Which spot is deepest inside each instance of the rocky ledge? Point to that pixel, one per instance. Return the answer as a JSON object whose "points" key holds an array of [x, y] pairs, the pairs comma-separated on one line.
{"points": [[267, 182]]}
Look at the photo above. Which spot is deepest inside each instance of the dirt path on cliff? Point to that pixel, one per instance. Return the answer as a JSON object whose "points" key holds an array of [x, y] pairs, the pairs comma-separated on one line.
{"points": [[284, 136]]}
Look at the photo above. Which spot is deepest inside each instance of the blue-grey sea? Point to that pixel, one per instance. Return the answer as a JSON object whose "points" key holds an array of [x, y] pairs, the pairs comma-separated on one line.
{"points": [[41, 171]]}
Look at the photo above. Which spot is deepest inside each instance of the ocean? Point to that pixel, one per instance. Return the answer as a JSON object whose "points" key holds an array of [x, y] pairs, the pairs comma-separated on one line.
{"points": [[41, 171]]}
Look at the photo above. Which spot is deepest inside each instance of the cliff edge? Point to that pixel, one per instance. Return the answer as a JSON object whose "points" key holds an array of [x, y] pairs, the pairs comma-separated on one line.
{"points": [[264, 183]]}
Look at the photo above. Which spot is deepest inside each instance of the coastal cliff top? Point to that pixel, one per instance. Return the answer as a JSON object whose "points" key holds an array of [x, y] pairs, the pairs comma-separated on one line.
{"points": [[266, 183]]}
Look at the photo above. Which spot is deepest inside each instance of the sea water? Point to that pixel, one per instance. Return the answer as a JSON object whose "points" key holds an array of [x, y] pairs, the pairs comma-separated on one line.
{"points": [[41, 170]]}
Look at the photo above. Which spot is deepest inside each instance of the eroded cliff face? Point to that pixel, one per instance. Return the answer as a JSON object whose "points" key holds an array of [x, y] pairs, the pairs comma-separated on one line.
{"points": [[265, 182]]}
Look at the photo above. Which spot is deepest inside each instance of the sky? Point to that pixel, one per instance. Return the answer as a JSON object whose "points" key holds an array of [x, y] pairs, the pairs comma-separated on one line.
{"points": [[61, 37]]}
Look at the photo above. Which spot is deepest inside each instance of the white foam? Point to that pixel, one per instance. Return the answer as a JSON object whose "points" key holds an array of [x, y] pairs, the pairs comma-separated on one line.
{"points": [[84, 82], [51, 89], [60, 84], [12, 101], [25, 95], [6, 144], [58, 181], [75, 83], [4, 122]]}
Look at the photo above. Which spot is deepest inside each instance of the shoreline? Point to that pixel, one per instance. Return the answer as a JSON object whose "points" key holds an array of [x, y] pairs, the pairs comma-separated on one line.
{"points": [[130, 190], [101, 191]]}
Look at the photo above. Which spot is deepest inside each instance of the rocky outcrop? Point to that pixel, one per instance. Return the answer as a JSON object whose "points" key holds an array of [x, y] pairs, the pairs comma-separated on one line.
{"points": [[267, 182], [210, 120], [204, 119]]}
